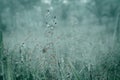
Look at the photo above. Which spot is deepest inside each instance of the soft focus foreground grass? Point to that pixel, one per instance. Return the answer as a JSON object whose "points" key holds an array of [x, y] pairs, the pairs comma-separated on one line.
{"points": [[73, 53]]}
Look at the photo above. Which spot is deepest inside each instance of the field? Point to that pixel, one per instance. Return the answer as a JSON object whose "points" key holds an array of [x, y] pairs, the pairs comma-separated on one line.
{"points": [[45, 44]]}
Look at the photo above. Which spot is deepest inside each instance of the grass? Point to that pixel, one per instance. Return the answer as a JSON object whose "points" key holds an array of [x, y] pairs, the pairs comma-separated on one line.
{"points": [[82, 53]]}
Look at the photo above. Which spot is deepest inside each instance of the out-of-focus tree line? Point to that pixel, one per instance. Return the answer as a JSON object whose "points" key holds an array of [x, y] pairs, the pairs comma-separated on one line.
{"points": [[63, 8], [105, 11]]}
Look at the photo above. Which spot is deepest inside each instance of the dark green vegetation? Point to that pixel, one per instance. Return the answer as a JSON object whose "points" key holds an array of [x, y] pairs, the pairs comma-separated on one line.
{"points": [[60, 40]]}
